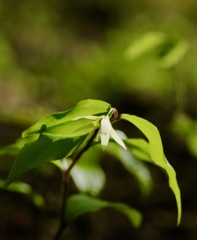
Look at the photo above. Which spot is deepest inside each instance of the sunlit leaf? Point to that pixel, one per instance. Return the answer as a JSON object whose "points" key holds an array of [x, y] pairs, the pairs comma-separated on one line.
{"points": [[87, 174], [157, 154], [58, 136], [80, 204], [145, 44], [72, 128], [24, 188], [55, 121], [88, 178]]}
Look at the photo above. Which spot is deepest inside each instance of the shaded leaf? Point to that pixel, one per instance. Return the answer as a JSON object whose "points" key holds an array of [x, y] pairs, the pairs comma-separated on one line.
{"points": [[174, 55], [11, 149], [24, 188], [134, 166], [186, 129], [14, 148], [139, 148], [157, 154], [44, 149], [80, 204]]}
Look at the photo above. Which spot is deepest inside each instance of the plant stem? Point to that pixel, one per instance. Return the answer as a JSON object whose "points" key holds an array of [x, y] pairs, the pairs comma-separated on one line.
{"points": [[65, 181]]}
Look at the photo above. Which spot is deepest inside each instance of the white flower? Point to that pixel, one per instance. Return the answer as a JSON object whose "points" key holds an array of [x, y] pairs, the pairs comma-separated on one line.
{"points": [[106, 130]]}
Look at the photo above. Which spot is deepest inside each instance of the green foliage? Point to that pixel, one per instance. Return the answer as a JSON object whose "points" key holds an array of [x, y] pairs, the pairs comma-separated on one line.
{"points": [[133, 165], [79, 204], [42, 150], [145, 44], [87, 174], [65, 136], [174, 55], [62, 123], [156, 154], [59, 135], [25, 189], [169, 51], [186, 129]]}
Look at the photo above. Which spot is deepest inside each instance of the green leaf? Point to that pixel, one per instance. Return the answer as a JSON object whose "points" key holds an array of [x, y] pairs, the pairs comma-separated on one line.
{"points": [[80, 204], [157, 154], [87, 174], [137, 168], [44, 149], [55, 122], [174, 55], [139, 148], [24, 188], [58, 135], [145, 44], [13, 149], [72, 128], [186, 129]]}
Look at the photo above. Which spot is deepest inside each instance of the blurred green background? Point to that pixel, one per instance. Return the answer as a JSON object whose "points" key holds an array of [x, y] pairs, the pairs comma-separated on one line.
{"points": [[140, 56]]}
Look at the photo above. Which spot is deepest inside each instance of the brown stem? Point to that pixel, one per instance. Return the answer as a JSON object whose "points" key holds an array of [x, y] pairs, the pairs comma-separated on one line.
{"points": [[65, 181], [115, 117]]}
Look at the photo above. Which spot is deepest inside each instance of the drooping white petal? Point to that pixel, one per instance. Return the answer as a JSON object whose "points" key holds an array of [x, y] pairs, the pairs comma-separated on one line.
{"points": [[104, 139], [116, 138], [105, 125]]}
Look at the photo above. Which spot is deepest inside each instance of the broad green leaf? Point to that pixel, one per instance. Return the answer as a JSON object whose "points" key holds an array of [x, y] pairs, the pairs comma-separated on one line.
{"points": [[134, 166], [157, 154], [24, 188], [55, 120], [80, 204], [44, 149], [73, 128], [145, 44], [58, 136]]}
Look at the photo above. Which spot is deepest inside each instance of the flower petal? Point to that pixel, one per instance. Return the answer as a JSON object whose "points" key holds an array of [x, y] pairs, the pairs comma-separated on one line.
{"points": [[105, 125], [116, 138], [104, 139]]}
